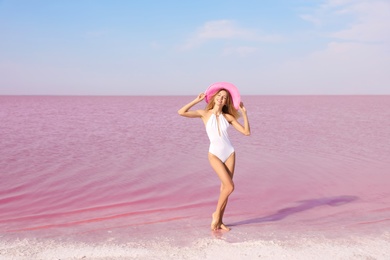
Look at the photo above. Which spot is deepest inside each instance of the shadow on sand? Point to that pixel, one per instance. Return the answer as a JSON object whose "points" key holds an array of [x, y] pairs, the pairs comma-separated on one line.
{"points": [[303, 206]]}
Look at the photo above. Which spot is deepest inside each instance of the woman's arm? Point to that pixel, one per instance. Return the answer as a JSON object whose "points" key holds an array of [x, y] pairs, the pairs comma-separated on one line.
{"points": [[246, 130], [185, 110]]}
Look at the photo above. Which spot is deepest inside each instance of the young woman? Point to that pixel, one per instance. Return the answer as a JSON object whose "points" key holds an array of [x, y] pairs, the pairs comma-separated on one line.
{"points": [[217, 116]]}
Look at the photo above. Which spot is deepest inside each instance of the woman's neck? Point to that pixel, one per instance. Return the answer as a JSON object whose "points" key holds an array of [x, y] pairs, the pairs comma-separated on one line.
{"points": [[217, 110]]}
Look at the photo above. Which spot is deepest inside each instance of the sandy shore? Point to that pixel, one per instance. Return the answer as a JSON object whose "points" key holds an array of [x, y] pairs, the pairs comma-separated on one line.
{"points": [[343, 248]]}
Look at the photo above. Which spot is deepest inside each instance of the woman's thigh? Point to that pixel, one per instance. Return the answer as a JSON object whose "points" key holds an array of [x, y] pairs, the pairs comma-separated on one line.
{"points": [[223, 171]]}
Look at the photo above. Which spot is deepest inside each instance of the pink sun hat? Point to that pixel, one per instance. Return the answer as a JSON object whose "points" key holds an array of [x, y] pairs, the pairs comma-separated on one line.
{"points": [[214, 88]]}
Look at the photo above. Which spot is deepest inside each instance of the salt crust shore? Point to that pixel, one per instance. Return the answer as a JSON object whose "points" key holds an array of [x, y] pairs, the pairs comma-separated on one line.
{"points": [[351, 248]]}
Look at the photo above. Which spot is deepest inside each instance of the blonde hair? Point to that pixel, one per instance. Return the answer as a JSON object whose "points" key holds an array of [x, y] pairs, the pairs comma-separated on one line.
{"points": [[228, 108]]}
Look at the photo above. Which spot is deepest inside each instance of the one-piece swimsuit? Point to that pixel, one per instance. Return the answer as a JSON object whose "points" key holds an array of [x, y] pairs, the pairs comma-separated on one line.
{"points": [[216, 128]]}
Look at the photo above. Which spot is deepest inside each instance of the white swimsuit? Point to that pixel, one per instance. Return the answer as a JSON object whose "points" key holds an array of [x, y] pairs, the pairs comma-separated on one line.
{"points": [[220, 145]]}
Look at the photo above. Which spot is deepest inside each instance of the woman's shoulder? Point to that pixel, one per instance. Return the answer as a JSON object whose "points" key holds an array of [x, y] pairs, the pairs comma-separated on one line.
{"points": [[202, 112], [229, 117]]}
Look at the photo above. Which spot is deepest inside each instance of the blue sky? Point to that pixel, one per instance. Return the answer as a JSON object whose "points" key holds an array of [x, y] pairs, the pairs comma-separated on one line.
{"points": [[172, 47]]}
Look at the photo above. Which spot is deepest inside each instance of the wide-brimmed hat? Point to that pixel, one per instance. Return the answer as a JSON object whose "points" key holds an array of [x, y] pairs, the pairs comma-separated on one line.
{"points": [[214, 88]]}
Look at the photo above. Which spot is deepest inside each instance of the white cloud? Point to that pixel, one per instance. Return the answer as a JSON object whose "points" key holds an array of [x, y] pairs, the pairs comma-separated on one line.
{"points": [[242, 51], [311, 18], [225, 30], [369, 21], [212, 30], [337, 3], [356, 58], [372, 22]]}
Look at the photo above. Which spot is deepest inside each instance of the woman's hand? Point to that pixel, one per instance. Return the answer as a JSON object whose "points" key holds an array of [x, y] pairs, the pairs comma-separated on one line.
{"points": [[242, 108], [200, 97], [246, 130]]}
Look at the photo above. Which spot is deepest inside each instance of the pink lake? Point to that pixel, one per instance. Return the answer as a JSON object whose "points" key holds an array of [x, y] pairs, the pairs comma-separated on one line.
{"points": [[130, 170]]}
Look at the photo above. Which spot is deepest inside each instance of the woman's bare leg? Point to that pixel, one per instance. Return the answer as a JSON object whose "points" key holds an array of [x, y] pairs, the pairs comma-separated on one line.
{"points": [[229, 164], [227, 187]]}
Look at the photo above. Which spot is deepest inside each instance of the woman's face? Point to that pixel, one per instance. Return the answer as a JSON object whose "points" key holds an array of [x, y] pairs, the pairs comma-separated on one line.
{"points": [[221, 98]]}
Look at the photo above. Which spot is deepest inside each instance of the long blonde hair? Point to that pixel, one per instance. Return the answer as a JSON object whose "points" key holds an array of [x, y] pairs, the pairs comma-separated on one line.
{"points": [[228, 108]]}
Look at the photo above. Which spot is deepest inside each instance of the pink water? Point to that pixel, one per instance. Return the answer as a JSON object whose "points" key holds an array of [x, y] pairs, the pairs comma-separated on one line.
{"points": [[131, 169]]}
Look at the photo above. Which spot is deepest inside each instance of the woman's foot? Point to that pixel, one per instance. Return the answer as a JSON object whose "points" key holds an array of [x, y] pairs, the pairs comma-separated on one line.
{"points": [[225, 227], [215, 225]]}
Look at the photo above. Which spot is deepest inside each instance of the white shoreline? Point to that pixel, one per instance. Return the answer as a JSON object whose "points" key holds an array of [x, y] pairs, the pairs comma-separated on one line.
{"points": [[205, 248]]}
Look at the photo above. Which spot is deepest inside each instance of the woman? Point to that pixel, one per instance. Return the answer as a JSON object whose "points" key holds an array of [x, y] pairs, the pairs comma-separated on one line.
{"points": [[217, 116]]}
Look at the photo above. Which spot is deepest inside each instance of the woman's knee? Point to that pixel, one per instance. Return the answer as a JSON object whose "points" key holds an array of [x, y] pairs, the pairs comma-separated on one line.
{"points": [[228, 188]]}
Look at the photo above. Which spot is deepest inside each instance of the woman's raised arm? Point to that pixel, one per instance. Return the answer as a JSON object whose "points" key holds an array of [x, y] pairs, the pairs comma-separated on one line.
{"points": [[185, 110], [246, 130]]}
